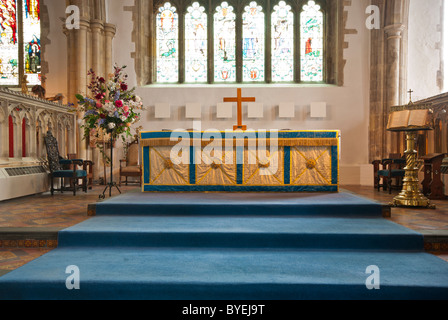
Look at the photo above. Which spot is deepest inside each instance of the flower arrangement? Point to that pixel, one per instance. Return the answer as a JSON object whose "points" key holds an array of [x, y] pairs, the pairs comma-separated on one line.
{"points": [[111, 107]]}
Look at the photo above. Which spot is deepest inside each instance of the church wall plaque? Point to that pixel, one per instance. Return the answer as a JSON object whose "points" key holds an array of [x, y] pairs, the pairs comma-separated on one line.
{"points": [[232, 161]]}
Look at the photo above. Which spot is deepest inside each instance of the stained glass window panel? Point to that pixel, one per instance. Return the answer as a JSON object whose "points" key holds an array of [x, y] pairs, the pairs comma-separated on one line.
{"points": [[31, 41], [282, 43], [196, 44], [9, 43], [167, 44], [224, 44], [253, 43], [311, 43]]}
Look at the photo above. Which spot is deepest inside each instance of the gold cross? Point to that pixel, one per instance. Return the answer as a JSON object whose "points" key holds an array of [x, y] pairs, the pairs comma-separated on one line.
{"points": [[239, 99], [410, 95]]}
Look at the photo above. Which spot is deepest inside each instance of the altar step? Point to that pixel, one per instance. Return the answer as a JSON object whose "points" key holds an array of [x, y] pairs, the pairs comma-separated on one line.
{"points": [[241, 204], [241, 232], [164, 247], [227, 274]]}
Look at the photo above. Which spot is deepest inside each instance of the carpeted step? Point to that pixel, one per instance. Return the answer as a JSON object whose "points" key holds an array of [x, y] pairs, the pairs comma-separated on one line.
{"points": [[229, 274], [240, 204], [241, 232]]}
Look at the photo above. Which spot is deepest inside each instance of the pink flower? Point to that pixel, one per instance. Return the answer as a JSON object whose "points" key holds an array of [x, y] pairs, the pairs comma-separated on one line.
{"points": [[125, 108], [99, 105], [118, 103]]}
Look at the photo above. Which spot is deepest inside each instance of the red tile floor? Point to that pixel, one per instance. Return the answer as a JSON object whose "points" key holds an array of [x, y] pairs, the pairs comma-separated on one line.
{"points": [[50, 214]]}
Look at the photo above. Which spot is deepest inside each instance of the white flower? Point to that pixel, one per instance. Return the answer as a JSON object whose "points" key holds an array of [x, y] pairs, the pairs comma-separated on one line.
{"points": [[138, 99], [123, 118], [111, 125]]}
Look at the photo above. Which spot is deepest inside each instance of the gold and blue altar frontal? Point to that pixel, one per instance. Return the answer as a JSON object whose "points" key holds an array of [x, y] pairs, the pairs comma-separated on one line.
{"points": [[237, 161]]}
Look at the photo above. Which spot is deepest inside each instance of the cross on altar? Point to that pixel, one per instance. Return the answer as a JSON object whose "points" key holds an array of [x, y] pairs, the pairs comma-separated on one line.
{"points": [[239, 100]]}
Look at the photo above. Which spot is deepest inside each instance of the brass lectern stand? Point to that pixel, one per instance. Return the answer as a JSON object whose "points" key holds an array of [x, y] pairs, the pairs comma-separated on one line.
{"points": [[410, 119]]}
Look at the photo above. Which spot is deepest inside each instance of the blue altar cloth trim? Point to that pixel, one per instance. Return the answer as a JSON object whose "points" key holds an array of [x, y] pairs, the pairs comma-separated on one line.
{"points": [[287, 168], [146, 173], [250, 134], [334, 165], [196, 188], [192, 167]]}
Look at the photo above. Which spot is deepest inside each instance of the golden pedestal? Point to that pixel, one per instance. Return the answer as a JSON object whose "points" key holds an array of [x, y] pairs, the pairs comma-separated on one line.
{"points": [[410, 195], [411, 118]]}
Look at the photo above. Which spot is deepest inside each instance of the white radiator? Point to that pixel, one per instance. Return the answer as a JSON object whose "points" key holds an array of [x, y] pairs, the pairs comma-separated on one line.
{"points": [[23, 181]]}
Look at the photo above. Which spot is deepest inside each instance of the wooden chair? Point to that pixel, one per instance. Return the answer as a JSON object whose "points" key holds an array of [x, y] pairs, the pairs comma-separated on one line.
{"points": [[130, 166], [88, 167], [386, 170], [58, 168]]}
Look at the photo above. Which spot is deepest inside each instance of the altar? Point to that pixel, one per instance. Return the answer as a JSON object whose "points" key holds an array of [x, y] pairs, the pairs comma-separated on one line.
{"points": [[240, 161]]}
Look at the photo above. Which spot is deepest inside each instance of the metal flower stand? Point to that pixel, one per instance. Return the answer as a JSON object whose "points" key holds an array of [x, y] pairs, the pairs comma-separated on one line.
{"points": [[111, 184]]}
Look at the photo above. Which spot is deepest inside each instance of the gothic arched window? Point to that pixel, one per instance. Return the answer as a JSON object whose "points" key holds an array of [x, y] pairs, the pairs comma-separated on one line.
{"points": [[196, 44], [20, 52], [312, 42], [240, 41], [282, 47], [167, 44], [253, 43], [224, 43]]}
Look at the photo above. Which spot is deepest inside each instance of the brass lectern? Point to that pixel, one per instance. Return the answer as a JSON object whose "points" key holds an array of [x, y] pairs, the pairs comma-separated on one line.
{"points": [[411, 118]]}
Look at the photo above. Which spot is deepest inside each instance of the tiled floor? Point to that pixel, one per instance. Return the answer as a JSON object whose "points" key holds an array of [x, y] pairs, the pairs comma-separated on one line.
{"points": [[43, 212]]}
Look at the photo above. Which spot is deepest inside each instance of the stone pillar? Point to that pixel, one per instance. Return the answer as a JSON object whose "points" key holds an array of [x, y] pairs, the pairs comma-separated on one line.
{"points": [[393, 62], [81, 76], [109, 33]]}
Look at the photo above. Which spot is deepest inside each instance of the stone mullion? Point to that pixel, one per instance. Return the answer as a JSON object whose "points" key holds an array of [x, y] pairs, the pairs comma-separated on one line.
{"points": [[239, 44], [181, 46], [268, 42], [210, 43], [297, 64]]}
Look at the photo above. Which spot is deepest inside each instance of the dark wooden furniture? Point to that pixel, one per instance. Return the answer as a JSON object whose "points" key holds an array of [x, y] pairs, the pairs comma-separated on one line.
{"points": [[58, 165], [433, 186], [130, 167], [88, 167], [387, 170]]}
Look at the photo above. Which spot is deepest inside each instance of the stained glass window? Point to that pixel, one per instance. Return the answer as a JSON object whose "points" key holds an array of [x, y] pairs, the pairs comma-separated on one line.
{"points": [[196, 44], [167, 44], [282, 43], [311, 42], [292, 45], [31, 40], [9, 43], [224, 43], [253, 43]]}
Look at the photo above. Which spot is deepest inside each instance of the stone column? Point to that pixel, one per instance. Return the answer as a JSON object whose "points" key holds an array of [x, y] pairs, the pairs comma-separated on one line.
{"points": [[109, 33], [98, 53], [81, 76], [393, 61]]}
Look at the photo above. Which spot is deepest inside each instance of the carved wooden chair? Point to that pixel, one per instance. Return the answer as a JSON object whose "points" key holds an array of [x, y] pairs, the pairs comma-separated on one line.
{"points": [[386, 170], [60, 168], [130, 167]]}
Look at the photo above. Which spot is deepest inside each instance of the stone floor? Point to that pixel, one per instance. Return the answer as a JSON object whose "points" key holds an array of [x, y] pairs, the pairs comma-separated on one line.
{"points": [[29, 225]]}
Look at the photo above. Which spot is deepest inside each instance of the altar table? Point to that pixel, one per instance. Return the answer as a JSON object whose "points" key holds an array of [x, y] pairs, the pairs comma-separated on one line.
{"points": [[237, 161]]}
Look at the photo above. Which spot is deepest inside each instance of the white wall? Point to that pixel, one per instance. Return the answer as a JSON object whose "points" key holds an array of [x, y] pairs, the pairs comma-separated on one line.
{"points": [[424, 54], [56, 51], [348, 106]]}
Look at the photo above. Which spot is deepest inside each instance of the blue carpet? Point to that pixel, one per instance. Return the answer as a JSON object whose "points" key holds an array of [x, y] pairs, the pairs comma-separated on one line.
{"points": [[302, 246]]}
